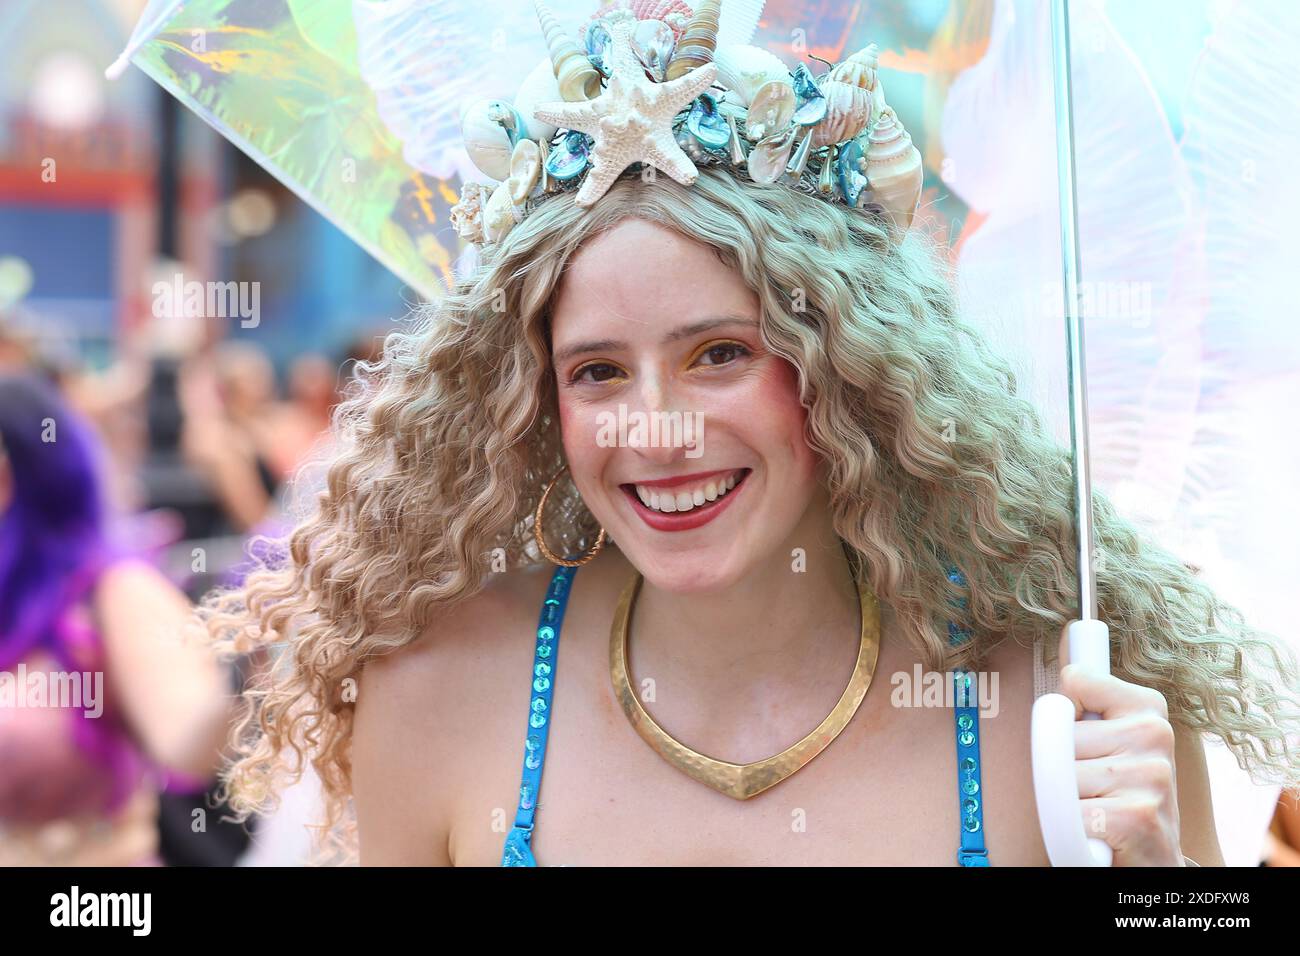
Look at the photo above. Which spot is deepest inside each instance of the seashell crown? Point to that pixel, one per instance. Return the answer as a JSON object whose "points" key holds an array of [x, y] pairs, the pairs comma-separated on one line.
{"points": [[648, 84]]}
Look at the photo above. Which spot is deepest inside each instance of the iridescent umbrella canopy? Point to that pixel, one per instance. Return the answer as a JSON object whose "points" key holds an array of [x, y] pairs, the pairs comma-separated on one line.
{"points": [[355, 105]]}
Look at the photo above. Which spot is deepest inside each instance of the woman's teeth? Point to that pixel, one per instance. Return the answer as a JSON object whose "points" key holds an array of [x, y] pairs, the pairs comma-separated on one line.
{"points": [[688, 498]]}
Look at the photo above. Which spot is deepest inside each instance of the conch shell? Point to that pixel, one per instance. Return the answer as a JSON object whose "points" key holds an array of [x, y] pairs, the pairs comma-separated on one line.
{"points": [[859, 69], [743, 70], [848, 112], [698, 43], [894, 169], [577, 78]]}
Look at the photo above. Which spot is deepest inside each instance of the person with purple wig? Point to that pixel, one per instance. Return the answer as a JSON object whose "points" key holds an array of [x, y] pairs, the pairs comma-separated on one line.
{"points": [[101, 695]]}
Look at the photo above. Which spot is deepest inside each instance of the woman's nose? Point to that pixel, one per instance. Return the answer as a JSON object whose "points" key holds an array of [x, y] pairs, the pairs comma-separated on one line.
{"points": [[657, 434], [655, 392]]}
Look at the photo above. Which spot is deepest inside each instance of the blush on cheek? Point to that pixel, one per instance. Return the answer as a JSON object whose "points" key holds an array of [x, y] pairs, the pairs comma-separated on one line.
{"points": [[569, 428], [579, 427], [776, 405]]}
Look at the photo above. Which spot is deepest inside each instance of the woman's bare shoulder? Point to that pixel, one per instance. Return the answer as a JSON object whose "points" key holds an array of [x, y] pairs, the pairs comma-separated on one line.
{"points": [[424, 708], [444, 665], [453, 674]]}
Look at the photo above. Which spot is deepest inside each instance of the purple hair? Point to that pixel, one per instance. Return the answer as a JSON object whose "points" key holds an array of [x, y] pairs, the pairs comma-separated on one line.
{"points": [[53, 547]]}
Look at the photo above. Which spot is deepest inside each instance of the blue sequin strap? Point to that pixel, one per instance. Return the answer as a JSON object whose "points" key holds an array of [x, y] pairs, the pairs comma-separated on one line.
{"points": [[972, 851], [517, 851]]}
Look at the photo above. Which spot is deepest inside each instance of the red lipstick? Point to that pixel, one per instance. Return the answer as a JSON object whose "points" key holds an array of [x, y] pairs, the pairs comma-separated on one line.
{"points": [[685, 520]]}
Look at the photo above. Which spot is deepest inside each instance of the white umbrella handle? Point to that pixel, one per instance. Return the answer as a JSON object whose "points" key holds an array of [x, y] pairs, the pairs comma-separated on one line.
{"points": [[1056, 785]]}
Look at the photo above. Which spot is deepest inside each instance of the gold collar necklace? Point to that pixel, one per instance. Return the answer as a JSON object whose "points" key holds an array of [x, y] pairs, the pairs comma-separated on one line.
{"points": [[743, 781]]}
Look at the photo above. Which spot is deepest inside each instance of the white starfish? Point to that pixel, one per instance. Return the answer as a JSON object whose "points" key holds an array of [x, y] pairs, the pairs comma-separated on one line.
{"points": [[631, 120]]}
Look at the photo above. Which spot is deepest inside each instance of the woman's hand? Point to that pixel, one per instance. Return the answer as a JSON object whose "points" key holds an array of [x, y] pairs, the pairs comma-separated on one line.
{"points": [[1125, 766]]}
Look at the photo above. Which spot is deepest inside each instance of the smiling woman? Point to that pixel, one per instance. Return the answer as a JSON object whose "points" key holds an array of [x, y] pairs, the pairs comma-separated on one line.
{"points": [[731, 608]]}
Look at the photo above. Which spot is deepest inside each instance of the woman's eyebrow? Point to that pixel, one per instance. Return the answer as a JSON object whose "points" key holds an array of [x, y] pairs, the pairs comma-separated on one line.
{"points": [[683, 332]]}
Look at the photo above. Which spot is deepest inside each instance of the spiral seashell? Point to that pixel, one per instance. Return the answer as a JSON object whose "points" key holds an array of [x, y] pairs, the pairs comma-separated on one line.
{"points": [[699, 42], [859, 69], [894, 169], [743, 70], [577, 78], [848, 112]]}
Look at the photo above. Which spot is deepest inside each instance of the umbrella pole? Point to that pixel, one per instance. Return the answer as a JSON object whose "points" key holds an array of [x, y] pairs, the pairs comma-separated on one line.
{"points": [[1070, 270], [1056, 784]]}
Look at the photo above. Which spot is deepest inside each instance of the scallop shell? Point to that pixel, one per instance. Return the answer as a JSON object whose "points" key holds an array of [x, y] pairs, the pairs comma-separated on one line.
{"points": [[487, 139], [540, 86], [744, 70], [848, 112], [698, 43], [675, 13], [894, 169], [859, 69], [525, 169], [578, 80]]}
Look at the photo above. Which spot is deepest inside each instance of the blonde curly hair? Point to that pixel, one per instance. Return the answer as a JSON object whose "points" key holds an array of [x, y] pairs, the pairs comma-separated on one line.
{"points": [[445, 444]]}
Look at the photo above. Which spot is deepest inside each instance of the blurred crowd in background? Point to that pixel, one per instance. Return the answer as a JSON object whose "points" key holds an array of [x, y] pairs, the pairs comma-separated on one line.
{"points": [[143, 442], [126, 493]]}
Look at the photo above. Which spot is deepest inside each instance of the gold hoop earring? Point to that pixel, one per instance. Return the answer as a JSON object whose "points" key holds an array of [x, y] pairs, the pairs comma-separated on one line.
{"points": [[541, 541]]}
